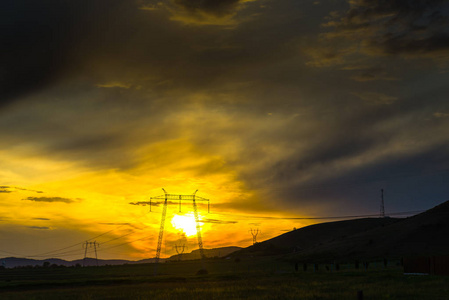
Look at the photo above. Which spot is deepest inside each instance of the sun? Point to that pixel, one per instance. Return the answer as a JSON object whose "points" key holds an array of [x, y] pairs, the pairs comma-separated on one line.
{"points": [[185, 222]]}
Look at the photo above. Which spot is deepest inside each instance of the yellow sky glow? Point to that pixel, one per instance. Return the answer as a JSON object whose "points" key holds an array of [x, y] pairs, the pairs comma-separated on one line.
{"points": [[92, 202], [186, 223]]}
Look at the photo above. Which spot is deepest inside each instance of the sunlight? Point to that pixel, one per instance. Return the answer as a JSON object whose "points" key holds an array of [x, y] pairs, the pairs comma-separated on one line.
{"points": [[185, 223]]}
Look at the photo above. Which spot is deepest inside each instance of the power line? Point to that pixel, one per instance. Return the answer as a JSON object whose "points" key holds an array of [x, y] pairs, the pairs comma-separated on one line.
{"points": [[119, 237], [129, 242], [54, 252], [318, 218], [58, 253]]}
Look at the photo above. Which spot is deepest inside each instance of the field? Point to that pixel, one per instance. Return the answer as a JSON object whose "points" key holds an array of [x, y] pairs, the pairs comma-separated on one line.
{"points": [[250, 278]]}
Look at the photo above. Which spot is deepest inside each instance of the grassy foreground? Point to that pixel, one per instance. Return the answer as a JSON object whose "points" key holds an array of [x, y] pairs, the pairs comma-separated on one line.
{"points": [[248, 279]]}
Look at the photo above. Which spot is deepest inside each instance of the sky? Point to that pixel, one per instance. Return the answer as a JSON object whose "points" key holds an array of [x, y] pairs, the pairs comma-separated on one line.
{"points": [[277, 111]]}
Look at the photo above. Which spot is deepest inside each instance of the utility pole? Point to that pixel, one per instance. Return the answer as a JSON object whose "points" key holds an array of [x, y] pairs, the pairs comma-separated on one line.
{"points": [[254, 233], [382, 208], [90, 245]]}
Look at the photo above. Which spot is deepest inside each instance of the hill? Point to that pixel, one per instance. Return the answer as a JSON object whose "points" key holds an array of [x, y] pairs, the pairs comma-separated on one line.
{"points": [[422, 235], [314, 236], [371, 238], [195, 254], [12, 262]]}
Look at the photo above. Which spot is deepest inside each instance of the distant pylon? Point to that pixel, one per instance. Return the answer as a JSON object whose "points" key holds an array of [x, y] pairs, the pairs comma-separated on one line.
{"points": [[254, 233], [382, 208], [90, 245], [180, 251]]}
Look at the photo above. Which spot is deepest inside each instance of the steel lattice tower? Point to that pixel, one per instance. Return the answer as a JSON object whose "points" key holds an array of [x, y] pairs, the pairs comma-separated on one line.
{"points": [[180, 198], [180, 251], [90, 245], [382, 208], [254, 233]]}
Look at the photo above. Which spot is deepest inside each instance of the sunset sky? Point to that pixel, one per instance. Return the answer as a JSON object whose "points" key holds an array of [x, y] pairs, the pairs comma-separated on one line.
{"points": [[272, 109]]}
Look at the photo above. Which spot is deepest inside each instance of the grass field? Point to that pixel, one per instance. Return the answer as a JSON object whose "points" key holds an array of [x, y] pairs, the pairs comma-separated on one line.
{"points": [[256, 278]]}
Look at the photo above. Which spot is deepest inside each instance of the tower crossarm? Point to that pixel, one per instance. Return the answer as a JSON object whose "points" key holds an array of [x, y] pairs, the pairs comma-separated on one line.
{"points": [[179, 197]]}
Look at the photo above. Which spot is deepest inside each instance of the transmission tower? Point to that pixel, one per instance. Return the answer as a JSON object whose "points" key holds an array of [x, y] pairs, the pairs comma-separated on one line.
{"points": [[254, 233], [382, 208], [179, 198], [180, 251], [86, 245]]}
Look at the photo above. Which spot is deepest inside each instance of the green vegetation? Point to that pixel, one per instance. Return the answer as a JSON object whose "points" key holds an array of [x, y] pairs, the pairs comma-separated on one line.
{"points": [[247, 278]]}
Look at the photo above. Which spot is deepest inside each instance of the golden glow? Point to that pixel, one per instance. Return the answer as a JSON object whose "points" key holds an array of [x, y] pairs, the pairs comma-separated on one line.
{"points": [[186, 223], [99, 200]]}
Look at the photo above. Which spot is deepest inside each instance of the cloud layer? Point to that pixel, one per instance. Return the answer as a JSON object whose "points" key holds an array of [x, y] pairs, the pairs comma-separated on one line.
{"points": [[279, 108]]}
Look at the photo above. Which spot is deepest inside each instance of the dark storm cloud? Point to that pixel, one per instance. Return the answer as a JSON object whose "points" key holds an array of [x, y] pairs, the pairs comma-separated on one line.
{"points": [[52, 199], [113, 44], [362, 143], [410, 29], [406, 27], [43, 42], [242, 94], [34, 39], [407, 181]]}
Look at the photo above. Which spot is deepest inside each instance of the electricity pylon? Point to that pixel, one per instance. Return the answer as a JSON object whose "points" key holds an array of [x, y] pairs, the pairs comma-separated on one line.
{"points": [[254, 233], [180, 251], [90, 245], [179, 198], [382, 208]]}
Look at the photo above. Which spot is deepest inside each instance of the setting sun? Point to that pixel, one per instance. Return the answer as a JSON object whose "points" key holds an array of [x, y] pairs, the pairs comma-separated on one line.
{"points": [[185, 223]]}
